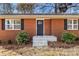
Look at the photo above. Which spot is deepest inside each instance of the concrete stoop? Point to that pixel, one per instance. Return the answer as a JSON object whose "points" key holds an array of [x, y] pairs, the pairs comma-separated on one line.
{"points": [[42, 41]]}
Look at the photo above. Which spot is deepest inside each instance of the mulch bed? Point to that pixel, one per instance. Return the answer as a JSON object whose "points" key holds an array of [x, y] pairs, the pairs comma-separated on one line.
{"points": [[60, 44], [15, 46]]}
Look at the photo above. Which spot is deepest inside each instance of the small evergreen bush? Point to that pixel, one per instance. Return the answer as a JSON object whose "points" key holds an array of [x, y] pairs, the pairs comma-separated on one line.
{"points": [[22, 38], [68, 37]]}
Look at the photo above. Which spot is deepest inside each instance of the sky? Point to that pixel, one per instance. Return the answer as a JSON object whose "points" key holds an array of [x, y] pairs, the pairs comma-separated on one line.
{"points": [[48, 8], [38, 8], [44, 8]]}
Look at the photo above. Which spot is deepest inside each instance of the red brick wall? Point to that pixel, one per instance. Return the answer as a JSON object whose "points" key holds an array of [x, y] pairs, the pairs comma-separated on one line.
{"points": [[29, 26], [47, 26], [51, 27], [57, 28]]}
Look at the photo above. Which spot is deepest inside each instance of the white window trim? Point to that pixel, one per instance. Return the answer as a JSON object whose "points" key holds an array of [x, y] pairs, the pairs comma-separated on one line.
{"points": [[72, 24], [11, 24]]}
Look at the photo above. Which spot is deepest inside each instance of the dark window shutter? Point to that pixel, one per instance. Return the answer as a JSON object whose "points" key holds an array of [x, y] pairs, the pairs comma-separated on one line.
{"points": [[3, 24], [65, 24], [22, 24], [78, 24]]}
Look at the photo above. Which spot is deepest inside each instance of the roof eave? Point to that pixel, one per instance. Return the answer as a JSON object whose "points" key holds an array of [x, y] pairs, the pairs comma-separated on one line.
{"points": [[39, 16]]}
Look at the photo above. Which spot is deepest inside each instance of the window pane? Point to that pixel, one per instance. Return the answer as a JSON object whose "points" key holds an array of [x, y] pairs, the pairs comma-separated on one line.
{"points": [[12, 24], [17, 22], [69, 21], [12, 21], [69, 26], [8, 26], [75, 21], [17, 26], [75, 27], [7, 22]]}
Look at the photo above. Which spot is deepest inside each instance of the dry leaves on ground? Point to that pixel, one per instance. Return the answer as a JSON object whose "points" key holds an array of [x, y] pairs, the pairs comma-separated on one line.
{"points": [[30, 51]]}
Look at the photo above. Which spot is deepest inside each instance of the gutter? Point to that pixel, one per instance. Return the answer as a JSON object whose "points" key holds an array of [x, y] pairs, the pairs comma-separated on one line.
{"points": [[39, 16]]}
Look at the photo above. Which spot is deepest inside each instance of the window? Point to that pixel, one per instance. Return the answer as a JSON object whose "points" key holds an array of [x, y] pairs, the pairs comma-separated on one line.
{"points": [[72, 24], [12, 24]]}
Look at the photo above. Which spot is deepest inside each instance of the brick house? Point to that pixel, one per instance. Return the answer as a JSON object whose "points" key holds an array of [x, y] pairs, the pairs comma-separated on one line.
{"points": [[37, 25], [55, 25]]}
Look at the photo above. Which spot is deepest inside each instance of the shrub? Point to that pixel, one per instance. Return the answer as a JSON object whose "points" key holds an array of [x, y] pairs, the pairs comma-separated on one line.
{"points": [[22, 37], [68, 37]]}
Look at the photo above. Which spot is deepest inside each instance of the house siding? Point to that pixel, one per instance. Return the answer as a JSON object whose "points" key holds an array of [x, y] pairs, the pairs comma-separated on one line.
{"points": [[47, 26], [51, 27], [29, 26], [57, 28]]}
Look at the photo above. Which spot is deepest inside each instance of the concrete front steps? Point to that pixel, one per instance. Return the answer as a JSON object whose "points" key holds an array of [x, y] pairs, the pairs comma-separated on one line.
{"points": [[42, 41]]}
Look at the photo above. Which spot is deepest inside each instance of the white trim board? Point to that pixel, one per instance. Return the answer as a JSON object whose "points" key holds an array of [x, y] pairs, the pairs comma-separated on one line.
{"points": [[39, 18]]}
